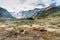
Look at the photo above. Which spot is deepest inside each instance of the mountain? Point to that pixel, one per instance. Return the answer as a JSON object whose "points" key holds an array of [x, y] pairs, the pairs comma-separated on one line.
{"points": [[4, 13], [52, 12], [25, 14], [36, 13]]}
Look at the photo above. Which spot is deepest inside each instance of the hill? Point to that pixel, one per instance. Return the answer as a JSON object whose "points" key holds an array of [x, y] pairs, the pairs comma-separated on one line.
{"points": [[4, 13], [53, 12]]}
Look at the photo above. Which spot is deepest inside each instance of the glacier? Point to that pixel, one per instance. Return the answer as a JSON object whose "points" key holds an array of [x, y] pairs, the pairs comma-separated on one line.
{"points": [[27, 8]]}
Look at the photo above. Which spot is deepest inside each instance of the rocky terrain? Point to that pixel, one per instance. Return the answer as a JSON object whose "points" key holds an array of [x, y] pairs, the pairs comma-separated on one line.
{"points": [[44, 26]]}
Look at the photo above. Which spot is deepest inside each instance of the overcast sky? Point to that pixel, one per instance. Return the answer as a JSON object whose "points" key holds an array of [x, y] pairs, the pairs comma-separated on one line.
{"points": [[24, 5]]}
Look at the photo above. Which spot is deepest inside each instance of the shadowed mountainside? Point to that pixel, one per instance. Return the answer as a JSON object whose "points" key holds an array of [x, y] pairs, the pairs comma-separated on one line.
{"points": [[4, 13]]}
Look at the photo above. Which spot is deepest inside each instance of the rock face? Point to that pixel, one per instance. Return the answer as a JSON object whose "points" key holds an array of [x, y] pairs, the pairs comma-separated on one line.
{"points": [[30, 13], [25, 14], [4, 13]]}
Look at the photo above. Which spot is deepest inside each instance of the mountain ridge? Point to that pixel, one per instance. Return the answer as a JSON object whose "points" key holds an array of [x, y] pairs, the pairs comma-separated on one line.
{"points": [[46, 13]]}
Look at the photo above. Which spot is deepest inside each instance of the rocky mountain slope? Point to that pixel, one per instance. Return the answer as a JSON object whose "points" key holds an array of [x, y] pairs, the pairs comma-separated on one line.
{"points": [[52, 12], [25, 14], [4, 13]]}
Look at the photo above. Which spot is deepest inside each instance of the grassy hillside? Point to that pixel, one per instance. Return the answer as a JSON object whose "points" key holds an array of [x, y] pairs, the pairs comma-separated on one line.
{"points": [[53, 12]]}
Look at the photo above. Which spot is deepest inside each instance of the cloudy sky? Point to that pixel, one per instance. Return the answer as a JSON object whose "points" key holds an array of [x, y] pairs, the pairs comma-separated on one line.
{"points": [[24, 5]]}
